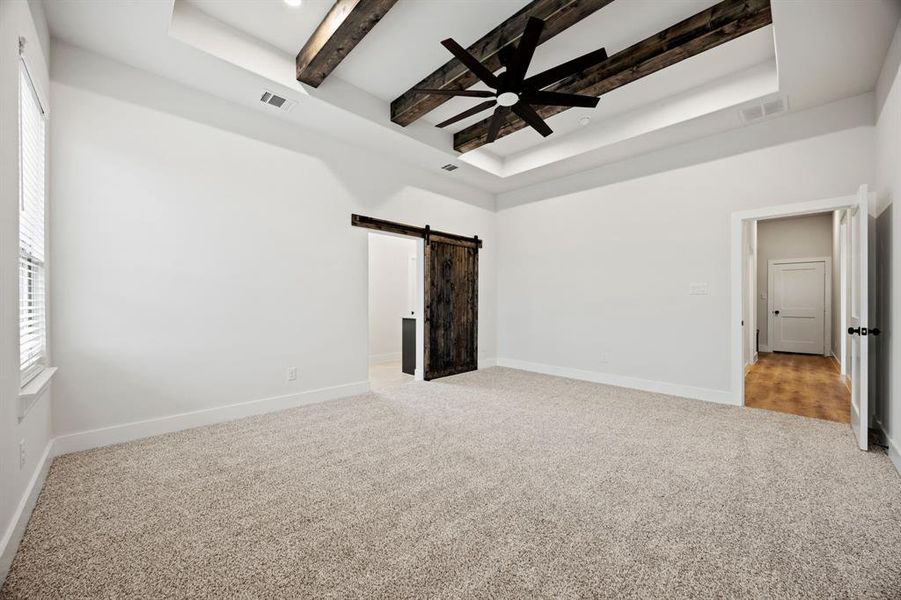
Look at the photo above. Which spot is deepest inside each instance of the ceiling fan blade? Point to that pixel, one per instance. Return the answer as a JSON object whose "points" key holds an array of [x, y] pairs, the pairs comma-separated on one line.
{"points": [[497, 120], [468, 113], [477, 68], [525, 49], [528, 114], [471, 93], [560, 99], [507, 55], [570, 67]]}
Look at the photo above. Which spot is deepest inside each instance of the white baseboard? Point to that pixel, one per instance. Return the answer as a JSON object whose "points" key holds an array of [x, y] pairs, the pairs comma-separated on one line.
{"points": [[95, 438], [9, 544], [379, 359], [486, 363], [647, 385], [894, 448], [894, 453], [764, 348]]}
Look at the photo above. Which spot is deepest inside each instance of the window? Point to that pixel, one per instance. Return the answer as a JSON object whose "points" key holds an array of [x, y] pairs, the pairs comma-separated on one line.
{"points": [[32, 303]]}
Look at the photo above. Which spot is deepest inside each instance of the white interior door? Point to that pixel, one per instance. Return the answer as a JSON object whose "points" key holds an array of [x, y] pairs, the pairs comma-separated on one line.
{"points": [[797, 321], [858, 322]]}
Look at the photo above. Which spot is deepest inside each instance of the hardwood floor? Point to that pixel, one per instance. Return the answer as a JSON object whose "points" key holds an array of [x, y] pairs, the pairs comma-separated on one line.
{"points": [[800, 384]]}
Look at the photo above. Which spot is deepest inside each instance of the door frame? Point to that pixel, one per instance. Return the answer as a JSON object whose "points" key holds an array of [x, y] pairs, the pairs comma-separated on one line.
{"points": [[736, 220], [827, 298], [844, 235]]}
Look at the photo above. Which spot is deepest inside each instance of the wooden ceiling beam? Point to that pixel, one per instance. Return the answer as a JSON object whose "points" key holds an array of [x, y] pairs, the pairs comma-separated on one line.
{"points": [[346, 23], [558, 15], [707, 29]]}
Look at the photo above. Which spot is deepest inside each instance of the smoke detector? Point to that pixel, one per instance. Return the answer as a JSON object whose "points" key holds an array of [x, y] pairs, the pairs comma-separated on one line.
{"points": [[277, 101], [763, 110]]}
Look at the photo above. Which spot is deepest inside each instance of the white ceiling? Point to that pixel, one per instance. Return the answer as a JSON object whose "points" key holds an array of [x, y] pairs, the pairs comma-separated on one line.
{"points": [[815, 53]]}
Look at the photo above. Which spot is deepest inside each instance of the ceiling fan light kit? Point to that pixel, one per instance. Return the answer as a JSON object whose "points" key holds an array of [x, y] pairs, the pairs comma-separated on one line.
{"points": [[512, 90]]}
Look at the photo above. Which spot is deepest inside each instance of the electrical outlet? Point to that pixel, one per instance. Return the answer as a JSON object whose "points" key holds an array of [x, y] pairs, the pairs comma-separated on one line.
{"points": [[21, 454], [292, 373]]}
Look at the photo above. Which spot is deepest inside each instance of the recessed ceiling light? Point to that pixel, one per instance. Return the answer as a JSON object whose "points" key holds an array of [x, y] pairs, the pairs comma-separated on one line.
{"points": [[584, 121], [293, 2]]}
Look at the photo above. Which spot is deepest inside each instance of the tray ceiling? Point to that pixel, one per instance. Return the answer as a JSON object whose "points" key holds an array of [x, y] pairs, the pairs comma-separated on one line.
{"points": [[261, 37]]}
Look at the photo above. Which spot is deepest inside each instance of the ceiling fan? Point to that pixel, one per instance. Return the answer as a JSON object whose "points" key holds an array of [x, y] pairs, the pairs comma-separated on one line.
{"points": [[511, 89]]}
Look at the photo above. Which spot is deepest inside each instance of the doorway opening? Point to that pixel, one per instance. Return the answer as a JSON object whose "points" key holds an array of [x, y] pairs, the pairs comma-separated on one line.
{"points": [[395, 293], [800, 295], [795, 366]]}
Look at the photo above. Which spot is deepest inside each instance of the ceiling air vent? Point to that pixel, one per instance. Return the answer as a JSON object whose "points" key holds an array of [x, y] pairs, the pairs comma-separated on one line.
{"points": [[277, 101], [756, 112], [450, 167]]}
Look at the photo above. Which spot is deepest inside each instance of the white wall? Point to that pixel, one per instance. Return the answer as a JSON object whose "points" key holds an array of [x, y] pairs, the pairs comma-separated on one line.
{"points": [[390, 292], [201, 249], [888, 228], [795, 237], [17, 18], [595, 283]]}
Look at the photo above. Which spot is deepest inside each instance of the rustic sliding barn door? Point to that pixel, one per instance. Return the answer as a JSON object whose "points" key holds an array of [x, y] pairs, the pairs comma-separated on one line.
{"points": [[450, 296], [451, 306]]}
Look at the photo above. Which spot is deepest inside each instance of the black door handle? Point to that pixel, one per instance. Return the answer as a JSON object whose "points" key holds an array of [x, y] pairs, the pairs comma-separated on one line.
{"points": [[775, 312], [853, 330]]}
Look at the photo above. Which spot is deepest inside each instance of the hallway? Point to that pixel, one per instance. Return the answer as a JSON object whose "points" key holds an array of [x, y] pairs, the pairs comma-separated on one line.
{"points": [[800, 384]]}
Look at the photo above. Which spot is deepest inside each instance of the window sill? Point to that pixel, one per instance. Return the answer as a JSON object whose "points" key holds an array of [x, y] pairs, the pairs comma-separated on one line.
{"points": [[31, 391]]}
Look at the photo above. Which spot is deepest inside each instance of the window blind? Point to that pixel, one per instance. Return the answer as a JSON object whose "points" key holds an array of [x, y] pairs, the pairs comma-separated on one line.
{"points": [[32, 301]]}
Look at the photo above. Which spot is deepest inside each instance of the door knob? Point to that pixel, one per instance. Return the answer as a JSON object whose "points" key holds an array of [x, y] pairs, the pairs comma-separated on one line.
{"points": [[775, 312], [853, 330], [875, 331]]}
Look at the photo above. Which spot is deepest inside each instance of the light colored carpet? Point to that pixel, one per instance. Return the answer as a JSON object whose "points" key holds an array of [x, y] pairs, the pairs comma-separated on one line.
{"points": [[497, 483]]}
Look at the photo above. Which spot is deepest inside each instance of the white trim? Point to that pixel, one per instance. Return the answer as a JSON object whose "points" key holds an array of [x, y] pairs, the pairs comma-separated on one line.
{"points": [[827, 296], [9, 545], [487, 363], [894, 450], [31, 391], [647, 385], [115, 434], [736, 256], [419, 371], [379, 359], [764, 348]]}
